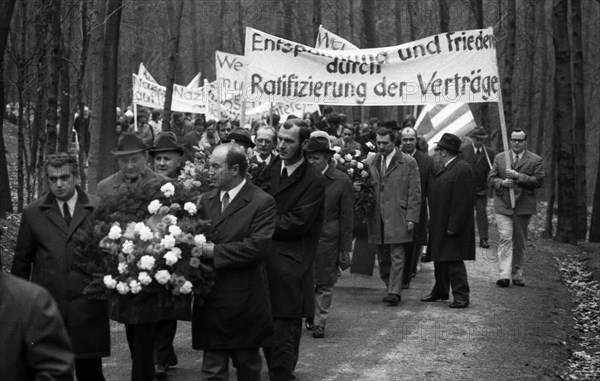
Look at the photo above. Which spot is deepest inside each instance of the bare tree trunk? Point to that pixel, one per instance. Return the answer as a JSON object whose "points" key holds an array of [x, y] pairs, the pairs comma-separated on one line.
{"points": [[444, 16], [6, 11], [316, 18], [38, 136], [563, 112], [174, 15], [85, 41], [65, 91], [368, 12], [579, 119], [54, 70], [288, 26], [509, 66]]}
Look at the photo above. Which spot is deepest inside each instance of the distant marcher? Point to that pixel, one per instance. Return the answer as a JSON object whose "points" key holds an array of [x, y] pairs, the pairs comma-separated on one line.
{"points": [[81, 125], [46, 252], [224, 127], [451, 225], [35, 344], [347, 142], [480, 159], [525, 176], [155, 122], [266, 140], [179, 126], [192, 139], [210, 139]]}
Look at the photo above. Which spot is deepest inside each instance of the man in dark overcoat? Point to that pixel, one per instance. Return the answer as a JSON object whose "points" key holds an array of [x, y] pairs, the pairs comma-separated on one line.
{"points": [[47, 253], [480, 159], [35, 344], [336, 234], [451, 223], [408, 144], [299, 190], [396, 211], [235, 319]]}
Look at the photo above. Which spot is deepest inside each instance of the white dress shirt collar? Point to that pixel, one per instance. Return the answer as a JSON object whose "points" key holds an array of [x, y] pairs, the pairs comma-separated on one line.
{"points": [[291, 168], [232, 192], [70, 203]]}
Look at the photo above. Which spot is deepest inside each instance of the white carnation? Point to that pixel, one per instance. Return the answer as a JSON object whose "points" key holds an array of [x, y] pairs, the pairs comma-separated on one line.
{"points": [[122, 268], [135, 287], [144, 278], [364, 174], [146, 262], [146, 234], [337, 156], [360, 165], [109, 282], [115, 232], [168, 189], [190, 207], [357, 153], [186, 288], [170, 258], [199, 239], [128, 247], [337, 149], [122, 288], [154, 206], [162, 276], [348, 157], [138, 227], [169, 219], [351, 171], [174, 230], [168, 242]]}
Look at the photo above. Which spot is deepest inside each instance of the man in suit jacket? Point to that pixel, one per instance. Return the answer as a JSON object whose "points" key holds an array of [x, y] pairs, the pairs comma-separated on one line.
{"points": [[266, 139], [48, 253], [480, 159], [35, 344], [408, 144], [451, 226], [299, 190], [336, 235], [525, 176], [235, 319], [396, 212]]}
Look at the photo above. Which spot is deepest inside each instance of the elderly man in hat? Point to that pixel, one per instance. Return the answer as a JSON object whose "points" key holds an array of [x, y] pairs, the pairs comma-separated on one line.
{"points": [[241, 137], [167, 155], [480, 159], [336, 234], [397, 210], [131, 153], [451, 225]]}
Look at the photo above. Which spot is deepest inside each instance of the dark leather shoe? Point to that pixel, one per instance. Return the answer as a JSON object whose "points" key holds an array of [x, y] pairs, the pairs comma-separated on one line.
{"points": [[309, 324], [518, 282], [392, 299], [433, 298], [318, 332], [160, 372], [503, 282], [459, 304], [484, 243]]}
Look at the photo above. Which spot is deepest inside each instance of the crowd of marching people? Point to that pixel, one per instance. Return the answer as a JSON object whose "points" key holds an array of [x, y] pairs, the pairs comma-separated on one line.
{"points": [[278, 245]]}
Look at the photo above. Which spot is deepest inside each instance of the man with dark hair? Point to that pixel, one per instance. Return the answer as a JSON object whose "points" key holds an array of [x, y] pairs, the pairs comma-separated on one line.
{"points": [[35, 344], [408, 144], [47, 252], [334, 125], [224, 127], [396, 211], [274, 121], [347, 142], [192, 139], [299, 190], [235, 319], [81, 125], [451, 225], [336, 235], [178, 126], [525, 176], [131, 153], [480, 159]]}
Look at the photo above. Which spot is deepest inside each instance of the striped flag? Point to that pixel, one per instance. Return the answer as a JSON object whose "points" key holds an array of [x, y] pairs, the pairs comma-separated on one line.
{"points": [[436, 120]]}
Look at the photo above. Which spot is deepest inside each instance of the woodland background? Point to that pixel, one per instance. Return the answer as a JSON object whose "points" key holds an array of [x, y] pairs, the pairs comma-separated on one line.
{"points": [[62, 54]]}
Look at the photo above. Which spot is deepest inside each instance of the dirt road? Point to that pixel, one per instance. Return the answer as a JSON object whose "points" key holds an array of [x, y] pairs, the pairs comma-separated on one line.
{"points": [[506, 334]]}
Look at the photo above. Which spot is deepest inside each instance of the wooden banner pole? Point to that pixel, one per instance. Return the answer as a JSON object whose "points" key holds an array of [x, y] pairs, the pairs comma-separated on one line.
{"points": [[505, 143]]}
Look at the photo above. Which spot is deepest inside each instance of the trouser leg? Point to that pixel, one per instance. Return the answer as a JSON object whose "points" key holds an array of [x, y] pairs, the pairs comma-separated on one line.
{"points": [[442, 279], [385, 263], [323, 297], [397, 268], [164, 352], [282, 356], [247, 363], [89, 369], [215, 366], [140, 338], [481, 216], [519, 244], [409, 256], [457, 272], [505, 245]]}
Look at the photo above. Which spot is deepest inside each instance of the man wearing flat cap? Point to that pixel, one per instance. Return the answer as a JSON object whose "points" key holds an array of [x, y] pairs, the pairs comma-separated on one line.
{"points": [[167, 155], [480, 159], [131, 153], [336, 233], [451, 225]]}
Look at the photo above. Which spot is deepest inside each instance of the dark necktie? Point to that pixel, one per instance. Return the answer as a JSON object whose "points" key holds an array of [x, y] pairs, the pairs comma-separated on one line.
{"points": [[284, 174], [383, 166], [478, 152], [225, 202], [66, 213], [516, 160]]}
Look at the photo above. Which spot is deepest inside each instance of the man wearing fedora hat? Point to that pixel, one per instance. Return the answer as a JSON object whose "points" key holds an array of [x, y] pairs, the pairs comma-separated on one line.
{"points": [[479, 158], [131, 153], [167, 155], [451, 225], [336, 234], [397, 209], [241, 137]]}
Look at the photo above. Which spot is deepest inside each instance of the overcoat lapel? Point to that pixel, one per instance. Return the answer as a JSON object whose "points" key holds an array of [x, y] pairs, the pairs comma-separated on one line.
{"points": [[242, 198], [522, 160], [50, 208], [292, 179]]}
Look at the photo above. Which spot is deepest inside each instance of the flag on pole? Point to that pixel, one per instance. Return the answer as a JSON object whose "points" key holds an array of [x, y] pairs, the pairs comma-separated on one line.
{"points": [[436, 120]]}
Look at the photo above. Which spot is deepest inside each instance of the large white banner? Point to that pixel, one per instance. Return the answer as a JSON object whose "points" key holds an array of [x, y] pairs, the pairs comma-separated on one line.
{"points": [[331, 41], [453, 67], [151, 94]]}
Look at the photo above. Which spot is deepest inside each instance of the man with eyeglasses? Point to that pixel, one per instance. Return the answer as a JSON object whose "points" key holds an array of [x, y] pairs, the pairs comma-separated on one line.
{"points": [[46, 253], [525, 175]]}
